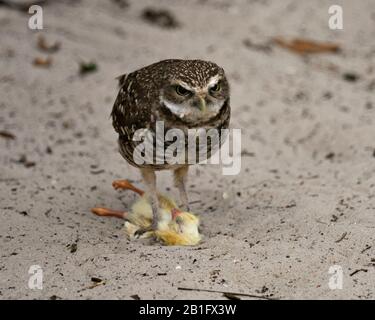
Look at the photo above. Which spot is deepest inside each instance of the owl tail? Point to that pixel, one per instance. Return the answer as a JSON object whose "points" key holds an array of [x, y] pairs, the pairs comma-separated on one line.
{"points": [[121, 79]]}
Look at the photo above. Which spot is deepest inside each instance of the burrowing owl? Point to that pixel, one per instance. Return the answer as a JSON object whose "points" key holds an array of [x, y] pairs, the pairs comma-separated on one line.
{"points": [[183, 94]]}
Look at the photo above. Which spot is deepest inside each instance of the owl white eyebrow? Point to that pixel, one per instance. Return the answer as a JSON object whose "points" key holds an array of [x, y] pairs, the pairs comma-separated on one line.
{"points": [[214, 80], [184, 85]]}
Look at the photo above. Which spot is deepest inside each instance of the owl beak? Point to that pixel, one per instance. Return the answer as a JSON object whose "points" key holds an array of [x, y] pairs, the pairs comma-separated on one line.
{"points": [[202, 103]]}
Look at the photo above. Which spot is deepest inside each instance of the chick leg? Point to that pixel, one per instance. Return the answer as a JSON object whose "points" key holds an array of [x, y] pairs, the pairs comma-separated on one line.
{"points": [[180, 177], [105, 212], [149, 178], [126, 185]]}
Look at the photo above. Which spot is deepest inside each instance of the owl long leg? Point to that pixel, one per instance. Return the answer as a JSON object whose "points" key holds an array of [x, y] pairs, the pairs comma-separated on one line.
{"points": [[126, 185], [105, 212], [180, 177], [149, 178]]}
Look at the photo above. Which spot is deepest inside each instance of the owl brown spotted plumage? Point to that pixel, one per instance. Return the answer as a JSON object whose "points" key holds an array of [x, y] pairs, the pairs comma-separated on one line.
{"points": [[182, 94]]}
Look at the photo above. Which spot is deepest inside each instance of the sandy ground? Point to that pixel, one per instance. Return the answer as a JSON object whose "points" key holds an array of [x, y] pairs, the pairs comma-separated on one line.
{"points": [[304, 199]]}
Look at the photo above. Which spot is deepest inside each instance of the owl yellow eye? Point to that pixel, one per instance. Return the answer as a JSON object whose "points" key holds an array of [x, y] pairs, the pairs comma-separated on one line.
{"points": [[215, 88], [180, 90]]}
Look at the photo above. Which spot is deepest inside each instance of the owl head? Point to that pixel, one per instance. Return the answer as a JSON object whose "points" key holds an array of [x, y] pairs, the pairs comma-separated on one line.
{"points": [[194, 91]]}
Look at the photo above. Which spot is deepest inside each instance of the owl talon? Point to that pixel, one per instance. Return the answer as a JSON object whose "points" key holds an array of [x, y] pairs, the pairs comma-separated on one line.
{"points": [[184, 207], [141, 231]]}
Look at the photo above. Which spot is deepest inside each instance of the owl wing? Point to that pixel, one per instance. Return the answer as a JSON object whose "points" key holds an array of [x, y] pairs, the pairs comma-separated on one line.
{"points": [[131, 109]]}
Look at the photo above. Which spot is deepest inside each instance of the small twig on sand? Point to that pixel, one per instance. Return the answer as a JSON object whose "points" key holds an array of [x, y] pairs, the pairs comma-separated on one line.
{"points": [[342, 237], [365, 249], [7, 135], [194, 202], [356, 271], [229, 294]]}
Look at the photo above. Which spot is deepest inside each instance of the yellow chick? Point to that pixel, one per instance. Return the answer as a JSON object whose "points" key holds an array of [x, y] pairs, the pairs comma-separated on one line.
{"points": [[175, 227]]}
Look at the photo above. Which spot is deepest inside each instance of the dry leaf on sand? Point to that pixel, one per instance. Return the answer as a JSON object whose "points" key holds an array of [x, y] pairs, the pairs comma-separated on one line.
{"points": [[304, 46]]}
